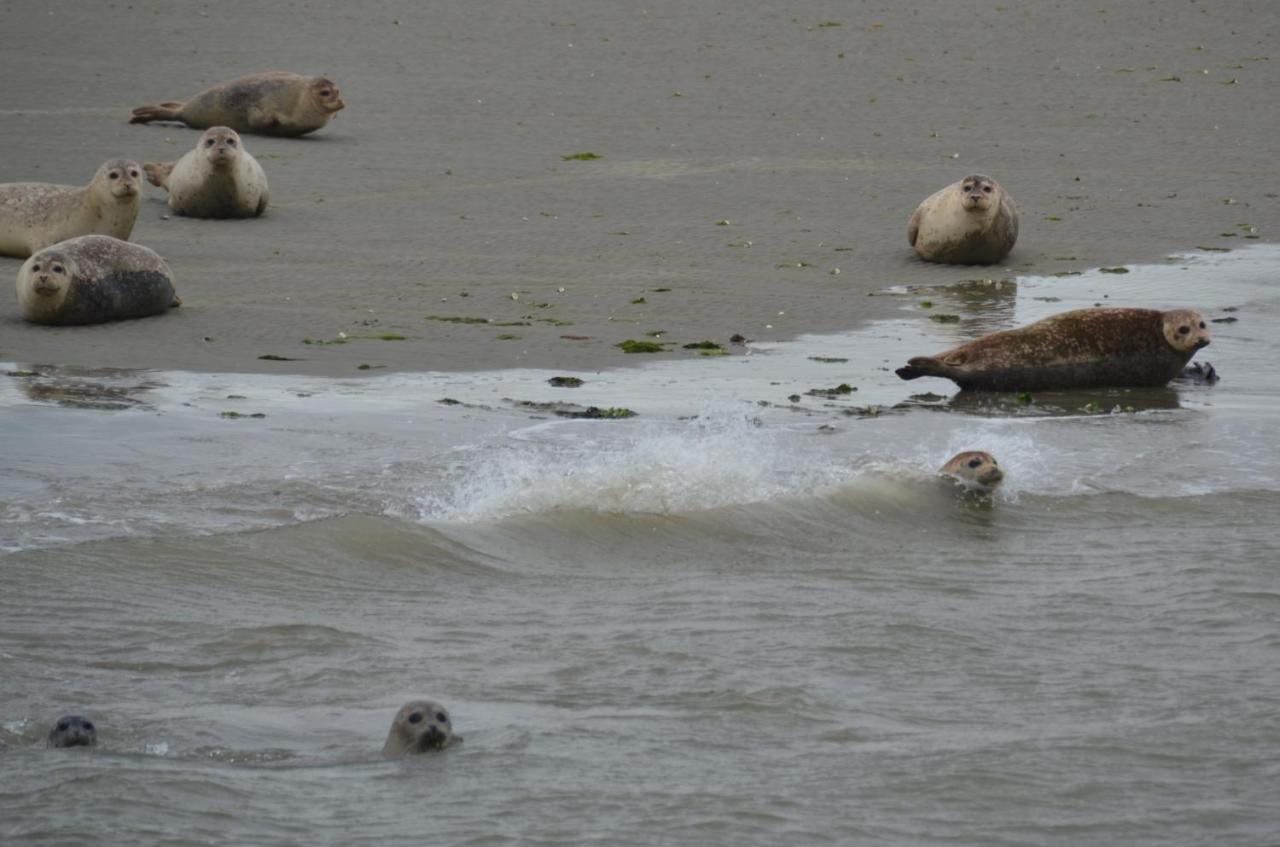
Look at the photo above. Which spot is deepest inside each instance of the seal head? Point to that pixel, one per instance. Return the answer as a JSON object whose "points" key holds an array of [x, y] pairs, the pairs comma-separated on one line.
{"points": [[73, 731], [326, 96], [975, 470], [221, 147], [419, 726], [119, 179], [50, 273], [1185, 330]]}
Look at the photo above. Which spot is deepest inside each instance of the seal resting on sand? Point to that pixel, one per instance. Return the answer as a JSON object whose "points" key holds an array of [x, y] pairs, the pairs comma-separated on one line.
{"points": [[970, 222], [419, 726], [34, 215], [1085, 348], [973, 469], [73, 731], [218, 179], [274, 103], [92, 279]]}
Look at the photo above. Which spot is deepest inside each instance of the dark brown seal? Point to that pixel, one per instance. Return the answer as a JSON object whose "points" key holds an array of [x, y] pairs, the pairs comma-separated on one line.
{"points": [[73, 731], [274, 103], [970, 222], [419, 726], [1086, 348], [93, 279]]}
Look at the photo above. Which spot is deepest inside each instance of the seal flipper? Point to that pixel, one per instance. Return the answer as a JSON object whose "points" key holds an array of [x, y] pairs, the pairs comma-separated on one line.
{"points": [[166, 111], [922, 366], [158, 173]]}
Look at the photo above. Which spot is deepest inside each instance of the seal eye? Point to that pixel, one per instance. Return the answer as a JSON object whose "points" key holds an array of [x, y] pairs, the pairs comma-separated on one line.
{"points": [[1202, 324], [416, 717], [35, 268], [62, 726], [88, 725], [208, 142], [114, 175], [986, 189], [973, 463], [231, 142], [133, 174], [57, 269], [1183, 330], [967, 188], [442, 717]]}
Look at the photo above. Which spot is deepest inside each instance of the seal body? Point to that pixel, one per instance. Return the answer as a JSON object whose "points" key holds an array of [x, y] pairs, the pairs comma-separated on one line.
{"points": [[973, 469], [73, 731], [274, 103], [93, 279], [1085, 348], [34, 215], [970, 222], [419, 726], [218, 179]]}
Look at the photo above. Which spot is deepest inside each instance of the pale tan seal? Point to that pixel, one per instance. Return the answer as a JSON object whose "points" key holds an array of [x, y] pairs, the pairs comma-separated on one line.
{"points": [[92, 279], [274, 103], [419, 726], [72, 731], [970, 222], [975, 470], [1085, 348], [34, 215], [218, 179]]}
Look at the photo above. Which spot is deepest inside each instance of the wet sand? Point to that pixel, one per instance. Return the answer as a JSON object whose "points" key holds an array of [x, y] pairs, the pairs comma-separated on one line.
{"points": [[747, 152]]}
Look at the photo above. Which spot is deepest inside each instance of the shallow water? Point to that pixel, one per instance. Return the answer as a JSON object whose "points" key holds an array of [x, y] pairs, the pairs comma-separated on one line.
{"points": [[732, 619]]}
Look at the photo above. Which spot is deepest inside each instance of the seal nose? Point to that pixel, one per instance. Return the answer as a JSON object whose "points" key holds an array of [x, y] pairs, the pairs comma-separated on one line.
{"points": [[1203, 342]]}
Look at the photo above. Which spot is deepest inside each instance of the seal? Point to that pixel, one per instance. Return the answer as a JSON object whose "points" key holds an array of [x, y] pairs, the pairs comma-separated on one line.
{"points": [[217, 179], [970, 222], [73, 731], [1085, 348], [92, 279], [973, 469], [34, 215], [274, 103], [419, 726]]}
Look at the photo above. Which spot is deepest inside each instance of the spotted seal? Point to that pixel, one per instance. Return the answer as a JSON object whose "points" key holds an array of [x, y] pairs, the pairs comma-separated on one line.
{"points": [[970, 222], [1085, 348], [73, 731], [419, 726], [273, 103], [34, 215], [92, 279], [973, 469], [217, 179]]}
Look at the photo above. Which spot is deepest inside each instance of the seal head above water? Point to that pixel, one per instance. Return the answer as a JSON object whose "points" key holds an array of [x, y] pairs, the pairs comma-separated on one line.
{"points": [[34, 215], [273, 103], [973, 469], [217, 179], [73, 731], [92, 279], [1085, 348], [419, 726], [970, 222]]}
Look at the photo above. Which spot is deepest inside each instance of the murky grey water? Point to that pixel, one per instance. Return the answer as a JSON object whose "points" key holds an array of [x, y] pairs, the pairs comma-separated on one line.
{"points": [[734, 619]]}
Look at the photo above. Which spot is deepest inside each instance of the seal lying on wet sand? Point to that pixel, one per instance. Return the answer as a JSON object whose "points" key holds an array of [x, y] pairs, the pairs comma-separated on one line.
{"points": [[34, 215], [92, 279], [419, 726], [73, 731], [1085, 348], [218, 179], [973, 469], [970, 222], [274, 103]]}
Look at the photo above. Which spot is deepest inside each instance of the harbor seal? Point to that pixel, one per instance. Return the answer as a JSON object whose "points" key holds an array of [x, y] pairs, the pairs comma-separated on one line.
{"points": [[274, 103], [92, 279], [970, 222], [34, 215], [73, 731], [217, 179], [973, 469], [419, 726], [1085, 348]]}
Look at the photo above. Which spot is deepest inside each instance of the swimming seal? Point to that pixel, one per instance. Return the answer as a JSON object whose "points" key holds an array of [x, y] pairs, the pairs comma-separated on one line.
{"points": [[974, 469], [970, 222], [92, 279], [217, 179], [1085, 348], [73, 731], [274, 103], [419, 726], [34, 215]]}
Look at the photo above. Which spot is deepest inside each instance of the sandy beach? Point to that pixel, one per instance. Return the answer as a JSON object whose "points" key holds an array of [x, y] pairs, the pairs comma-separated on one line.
{"points": [[756, 165]]}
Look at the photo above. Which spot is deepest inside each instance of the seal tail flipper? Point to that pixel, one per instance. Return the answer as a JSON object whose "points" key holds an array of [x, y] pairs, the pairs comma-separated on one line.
{"points": [[166, 111], [921, 366], [158, 173]]}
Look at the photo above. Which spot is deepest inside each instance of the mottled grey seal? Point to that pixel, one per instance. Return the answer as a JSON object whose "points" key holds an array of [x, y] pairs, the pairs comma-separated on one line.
{"points": [[217, 179], [34, 215], [273, 103], [73, 731], [975, 470], [420, 725], [1085, 348], [92, 279], [970, 222]]}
